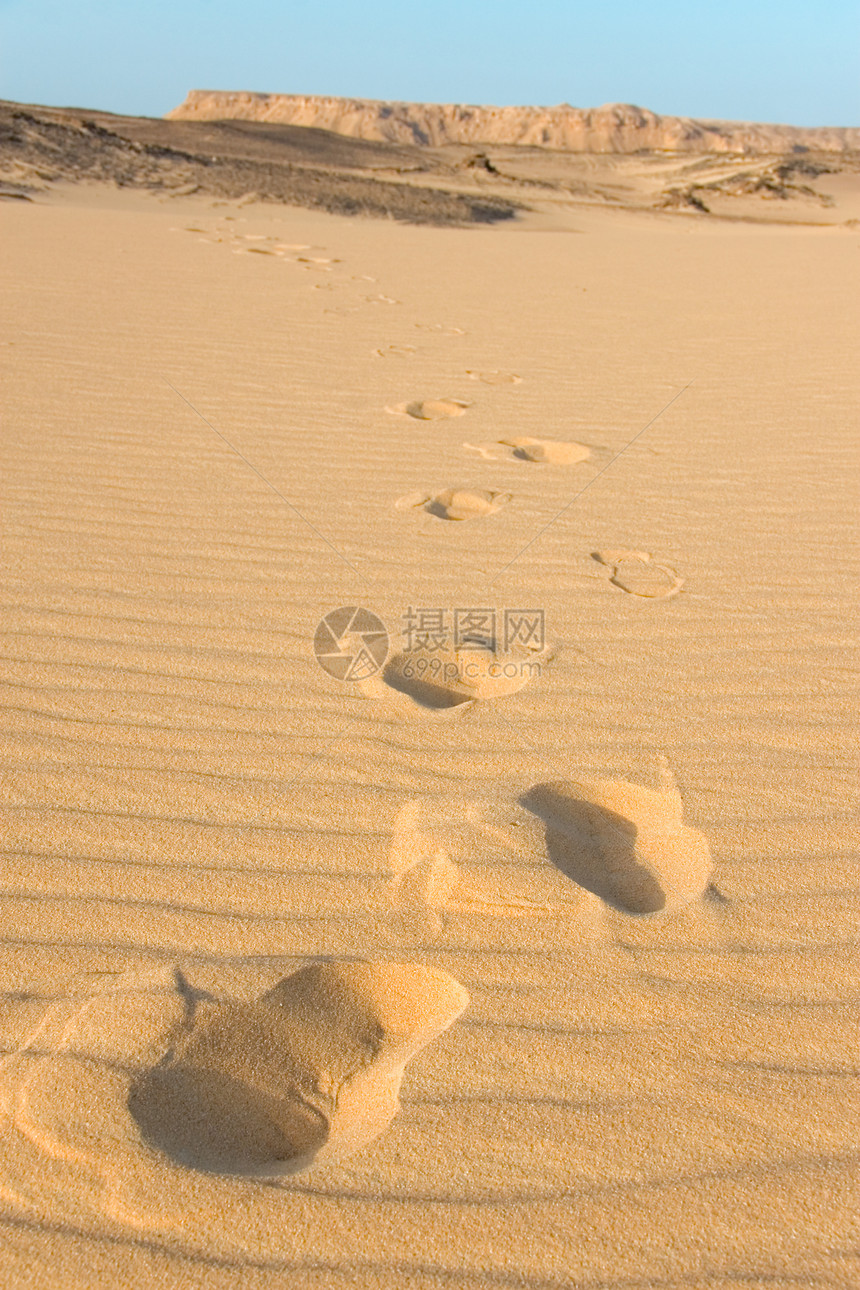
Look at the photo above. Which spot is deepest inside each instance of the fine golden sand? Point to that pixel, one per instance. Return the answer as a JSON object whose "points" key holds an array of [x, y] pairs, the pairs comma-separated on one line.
{"points": [[522, 967]]}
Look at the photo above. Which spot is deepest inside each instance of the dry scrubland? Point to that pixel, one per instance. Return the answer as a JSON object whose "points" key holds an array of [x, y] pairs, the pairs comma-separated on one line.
{"points": [[590, 925], [377, 159]]}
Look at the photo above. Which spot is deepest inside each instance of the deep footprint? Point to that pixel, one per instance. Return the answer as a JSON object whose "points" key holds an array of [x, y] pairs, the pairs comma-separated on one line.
{"points": [[447, 679], [137, 1071], [625, 843], [310, 1070], [553, 452], [430, 409], [548, 452], [455, 503], [637, 573], [431, 686]]}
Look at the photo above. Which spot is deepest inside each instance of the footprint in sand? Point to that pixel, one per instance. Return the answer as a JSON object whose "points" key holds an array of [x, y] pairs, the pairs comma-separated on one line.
{"points": [[426, 882], [553, 452], [455, 503], [495, 377], [310, 1070], [625, 843], [422, 874], [550, 452], [272, 247], [430, 409], [394, 351], [430, 683], [484, 450], [637, 573], [449, 679]]}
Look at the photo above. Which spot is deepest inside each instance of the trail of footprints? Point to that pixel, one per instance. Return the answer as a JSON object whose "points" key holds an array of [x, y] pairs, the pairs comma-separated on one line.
{"points": [[635, 572], [172, 1077], [623, 844], [311, 1069], [312, 259]]}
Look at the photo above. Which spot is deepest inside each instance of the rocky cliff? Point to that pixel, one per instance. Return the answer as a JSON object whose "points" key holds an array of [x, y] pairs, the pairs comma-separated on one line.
{"points": [[615, 128]]}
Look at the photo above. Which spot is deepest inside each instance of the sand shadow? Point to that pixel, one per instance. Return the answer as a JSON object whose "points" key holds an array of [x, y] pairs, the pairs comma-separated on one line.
{"points": [[596, 848], [210, 1120], [401, 673]]}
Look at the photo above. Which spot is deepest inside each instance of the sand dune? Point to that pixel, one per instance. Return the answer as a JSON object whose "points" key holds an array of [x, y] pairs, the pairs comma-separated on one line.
{"points": [[254, 864], [41, 146]]}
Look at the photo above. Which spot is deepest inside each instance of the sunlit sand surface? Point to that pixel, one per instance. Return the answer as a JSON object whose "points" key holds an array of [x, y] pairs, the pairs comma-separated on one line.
{"points": [[536, 968]]}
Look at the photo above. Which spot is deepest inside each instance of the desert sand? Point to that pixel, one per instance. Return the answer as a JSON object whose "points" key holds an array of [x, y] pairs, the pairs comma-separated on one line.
{"points": [[439, 977]]}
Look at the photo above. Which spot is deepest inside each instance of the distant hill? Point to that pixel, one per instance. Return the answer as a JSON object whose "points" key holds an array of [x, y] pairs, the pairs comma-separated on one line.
{"points": [[614, 128], [230, 161]]}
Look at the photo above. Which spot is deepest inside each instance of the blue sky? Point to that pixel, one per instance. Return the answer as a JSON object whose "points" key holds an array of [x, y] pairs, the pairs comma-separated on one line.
{"points": [[777, 60]]}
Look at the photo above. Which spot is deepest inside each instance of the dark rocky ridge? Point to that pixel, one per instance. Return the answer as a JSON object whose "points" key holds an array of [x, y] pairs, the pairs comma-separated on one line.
{"points": [[290, 165]]}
